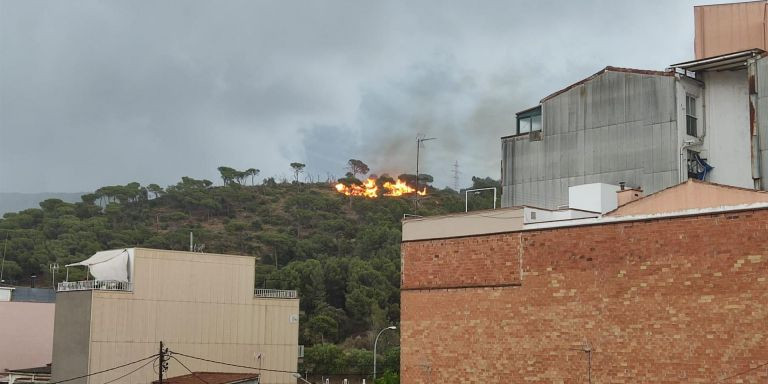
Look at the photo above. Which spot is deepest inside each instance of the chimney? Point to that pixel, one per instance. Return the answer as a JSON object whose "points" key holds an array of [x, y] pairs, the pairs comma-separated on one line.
{"points": [[627, 195]]}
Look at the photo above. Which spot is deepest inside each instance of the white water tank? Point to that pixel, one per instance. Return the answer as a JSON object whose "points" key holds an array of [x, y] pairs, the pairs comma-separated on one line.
{"points": [[595, 197]]}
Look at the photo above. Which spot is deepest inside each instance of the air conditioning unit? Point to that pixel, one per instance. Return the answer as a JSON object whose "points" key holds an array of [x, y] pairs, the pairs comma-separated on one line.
{"points": [[535, 136]]}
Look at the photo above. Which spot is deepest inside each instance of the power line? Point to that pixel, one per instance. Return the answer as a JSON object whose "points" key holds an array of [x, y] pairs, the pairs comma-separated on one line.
{"points": [[190, 371], [106, 370], [741, 373], [131, 372], [254, 368], [232, 365]]}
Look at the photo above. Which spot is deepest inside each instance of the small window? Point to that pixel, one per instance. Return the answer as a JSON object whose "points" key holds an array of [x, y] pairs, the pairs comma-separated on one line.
{"points": [[524, 125], [690, 116], [529, 121]]}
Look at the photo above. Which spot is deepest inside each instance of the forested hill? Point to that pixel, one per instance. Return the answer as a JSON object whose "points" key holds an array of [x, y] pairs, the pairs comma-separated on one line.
{"points": [[12, 201], [341, 253]]}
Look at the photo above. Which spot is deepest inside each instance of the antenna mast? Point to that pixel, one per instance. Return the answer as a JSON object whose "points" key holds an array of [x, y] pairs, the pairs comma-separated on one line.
{"points": [[456, 175]]}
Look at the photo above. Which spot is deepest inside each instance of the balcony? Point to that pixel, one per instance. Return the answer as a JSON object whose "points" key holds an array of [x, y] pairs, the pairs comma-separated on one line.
{"points": [[95, 285], [275, 294]]}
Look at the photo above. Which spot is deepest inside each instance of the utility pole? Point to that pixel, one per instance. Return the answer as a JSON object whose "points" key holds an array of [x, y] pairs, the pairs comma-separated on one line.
{"points": [[419, 139], [163, 366]]}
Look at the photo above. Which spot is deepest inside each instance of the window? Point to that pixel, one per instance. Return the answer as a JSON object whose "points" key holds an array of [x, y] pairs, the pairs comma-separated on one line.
{"points": [[529, 121], [690, 115]]}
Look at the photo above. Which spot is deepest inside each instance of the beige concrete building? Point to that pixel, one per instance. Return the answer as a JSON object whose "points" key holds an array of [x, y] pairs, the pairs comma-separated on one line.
{"points": [[198, 304]]}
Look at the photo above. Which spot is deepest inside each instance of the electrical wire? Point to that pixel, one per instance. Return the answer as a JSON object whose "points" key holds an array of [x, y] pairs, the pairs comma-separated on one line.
{"points": [[741, 373], [190, 371], [130, 373], [106, 370], [232, 365], [262, 369]]}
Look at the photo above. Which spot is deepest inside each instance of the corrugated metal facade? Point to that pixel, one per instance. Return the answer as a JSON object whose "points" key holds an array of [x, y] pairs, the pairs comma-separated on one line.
{"points": [[762, 122], [616, 126]]}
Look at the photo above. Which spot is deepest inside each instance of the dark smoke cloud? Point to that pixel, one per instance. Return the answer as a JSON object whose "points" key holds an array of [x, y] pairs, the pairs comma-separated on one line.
{"points": [[95, 93]]}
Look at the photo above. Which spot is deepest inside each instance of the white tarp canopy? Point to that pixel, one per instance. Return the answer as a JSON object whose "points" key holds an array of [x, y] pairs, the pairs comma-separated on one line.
{"points": [[112, 265]]}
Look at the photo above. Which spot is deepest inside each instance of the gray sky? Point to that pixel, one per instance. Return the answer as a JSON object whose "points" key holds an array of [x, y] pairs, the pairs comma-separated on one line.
{"points": [[109, 92]]}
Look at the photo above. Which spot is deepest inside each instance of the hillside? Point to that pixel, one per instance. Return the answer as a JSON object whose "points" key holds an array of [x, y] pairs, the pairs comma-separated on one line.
{"points": [[342, 253]]}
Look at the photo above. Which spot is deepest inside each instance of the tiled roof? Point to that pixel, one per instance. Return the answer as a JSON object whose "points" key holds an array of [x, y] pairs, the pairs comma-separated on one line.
{"points": [[210, 378]]}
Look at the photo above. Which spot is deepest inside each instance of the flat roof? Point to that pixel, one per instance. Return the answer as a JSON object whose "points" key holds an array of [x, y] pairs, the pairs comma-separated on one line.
{"points": [[724, 62], [211, 378]]}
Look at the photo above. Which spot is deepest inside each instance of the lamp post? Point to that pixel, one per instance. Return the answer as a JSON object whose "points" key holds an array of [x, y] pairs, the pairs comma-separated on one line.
{"points": [[375, 343]]}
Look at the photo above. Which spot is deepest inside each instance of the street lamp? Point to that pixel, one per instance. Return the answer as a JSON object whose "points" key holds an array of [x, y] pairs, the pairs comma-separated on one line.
{"points": [[375, 342], [298, 376]]}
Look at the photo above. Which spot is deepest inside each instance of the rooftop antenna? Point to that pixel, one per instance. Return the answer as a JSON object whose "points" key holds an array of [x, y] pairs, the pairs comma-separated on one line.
{"points": [[419, 140], [53, 268]]}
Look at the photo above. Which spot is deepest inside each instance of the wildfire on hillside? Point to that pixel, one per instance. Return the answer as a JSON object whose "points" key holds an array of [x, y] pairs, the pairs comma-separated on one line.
{"points": [[371, 189]]}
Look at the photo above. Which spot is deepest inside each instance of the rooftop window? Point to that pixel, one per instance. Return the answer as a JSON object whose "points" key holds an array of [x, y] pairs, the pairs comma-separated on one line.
{"points": [[528, 121], [690, 116]]}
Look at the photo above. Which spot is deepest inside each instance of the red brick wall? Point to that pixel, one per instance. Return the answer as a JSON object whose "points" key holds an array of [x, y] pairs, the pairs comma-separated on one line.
{"points": [[669, 300], [457, 262]]}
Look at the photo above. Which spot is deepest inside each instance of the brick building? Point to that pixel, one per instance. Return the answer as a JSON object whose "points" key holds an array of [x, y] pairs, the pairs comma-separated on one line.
{"points": [[676, 296]]}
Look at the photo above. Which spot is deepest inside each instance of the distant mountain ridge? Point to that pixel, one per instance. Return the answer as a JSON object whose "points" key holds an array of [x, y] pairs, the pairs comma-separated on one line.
{"points": [[15, 201]]}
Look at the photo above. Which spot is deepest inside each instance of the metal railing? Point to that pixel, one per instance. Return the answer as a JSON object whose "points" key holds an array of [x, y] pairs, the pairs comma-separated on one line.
{"points": [[95, 285], [275, 293]]}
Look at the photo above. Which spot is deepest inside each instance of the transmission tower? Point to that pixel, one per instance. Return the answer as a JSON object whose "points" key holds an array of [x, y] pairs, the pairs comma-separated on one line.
{"points": [[456, 174]]}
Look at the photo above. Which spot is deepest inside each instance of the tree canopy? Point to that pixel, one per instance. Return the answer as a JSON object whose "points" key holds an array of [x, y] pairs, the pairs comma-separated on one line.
{"points": [[343, 259]]}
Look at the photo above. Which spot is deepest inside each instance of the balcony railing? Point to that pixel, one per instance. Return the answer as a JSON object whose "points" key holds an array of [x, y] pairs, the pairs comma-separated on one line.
{"points": [[275, 293], [95, 285]]}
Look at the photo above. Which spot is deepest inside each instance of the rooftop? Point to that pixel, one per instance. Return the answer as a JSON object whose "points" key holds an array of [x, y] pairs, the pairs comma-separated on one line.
{"points": [[725, 62], [35, 370], [609, 69], [212, 378]]}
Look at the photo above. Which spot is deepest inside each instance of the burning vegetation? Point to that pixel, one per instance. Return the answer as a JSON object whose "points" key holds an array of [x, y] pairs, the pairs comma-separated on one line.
{"points": [[373, 188]]}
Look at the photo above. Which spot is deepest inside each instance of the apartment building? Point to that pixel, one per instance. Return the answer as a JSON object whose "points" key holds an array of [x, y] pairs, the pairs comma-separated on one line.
{"points": [[668, 287], [198, 304], [705, 119]]}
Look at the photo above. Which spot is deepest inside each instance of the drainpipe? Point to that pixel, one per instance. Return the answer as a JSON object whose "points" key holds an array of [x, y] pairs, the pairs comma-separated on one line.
{"points": [[754, 126]]}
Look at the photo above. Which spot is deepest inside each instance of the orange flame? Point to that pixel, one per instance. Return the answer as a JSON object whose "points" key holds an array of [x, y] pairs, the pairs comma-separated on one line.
{"points": [[371, 190], [368, 189]]}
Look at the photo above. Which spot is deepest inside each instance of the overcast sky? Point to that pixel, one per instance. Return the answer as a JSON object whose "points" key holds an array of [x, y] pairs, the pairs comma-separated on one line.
{"points": [[109, 92]]}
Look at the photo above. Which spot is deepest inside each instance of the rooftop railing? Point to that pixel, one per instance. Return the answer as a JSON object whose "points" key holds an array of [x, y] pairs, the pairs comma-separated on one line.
{"points": [[95, 285], [275, 293]]}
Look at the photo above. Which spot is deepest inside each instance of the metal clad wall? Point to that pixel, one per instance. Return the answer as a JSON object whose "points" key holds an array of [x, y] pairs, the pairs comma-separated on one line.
{"points": [[762, 119], [616, 127]]}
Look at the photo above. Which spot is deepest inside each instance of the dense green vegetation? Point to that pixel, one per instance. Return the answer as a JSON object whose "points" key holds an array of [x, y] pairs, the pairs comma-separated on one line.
{"points": [[341, 253]]}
